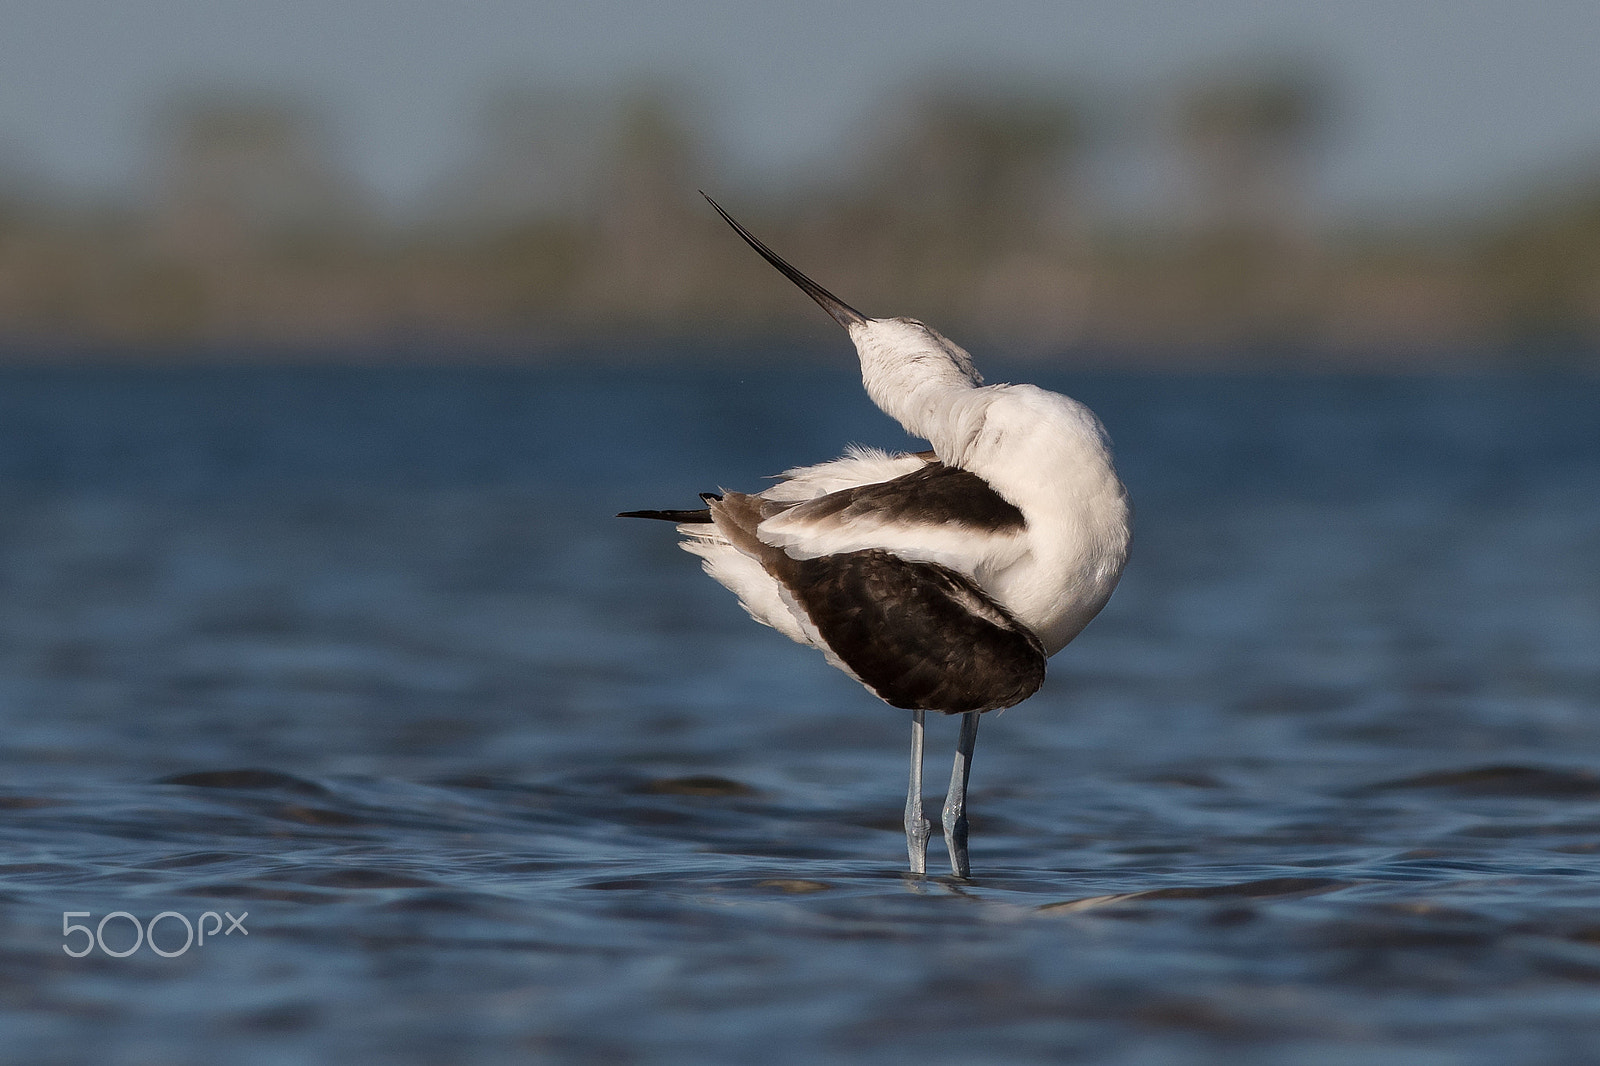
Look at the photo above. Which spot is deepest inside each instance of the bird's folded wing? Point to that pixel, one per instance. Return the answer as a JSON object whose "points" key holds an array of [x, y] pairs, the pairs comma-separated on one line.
{"points": [[936, 513], [917, 633], [858, 465]]}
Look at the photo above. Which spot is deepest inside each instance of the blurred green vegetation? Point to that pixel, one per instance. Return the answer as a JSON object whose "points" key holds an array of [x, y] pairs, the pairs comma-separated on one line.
{"points": [[578, 217]]}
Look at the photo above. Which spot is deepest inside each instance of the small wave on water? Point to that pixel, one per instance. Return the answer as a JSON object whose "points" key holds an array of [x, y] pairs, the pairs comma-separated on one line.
{"points": [[358, 661], [596, 914]]}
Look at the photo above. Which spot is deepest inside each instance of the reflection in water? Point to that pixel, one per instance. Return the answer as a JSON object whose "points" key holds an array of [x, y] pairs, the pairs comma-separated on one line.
{"points": [[497, 777]]}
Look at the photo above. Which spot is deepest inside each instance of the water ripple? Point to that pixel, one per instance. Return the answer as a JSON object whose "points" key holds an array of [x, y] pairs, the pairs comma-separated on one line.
{"points": [[485, 775]]}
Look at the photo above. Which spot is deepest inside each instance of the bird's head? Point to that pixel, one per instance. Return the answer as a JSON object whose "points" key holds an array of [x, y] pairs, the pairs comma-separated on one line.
{"points": [[905, 365]]}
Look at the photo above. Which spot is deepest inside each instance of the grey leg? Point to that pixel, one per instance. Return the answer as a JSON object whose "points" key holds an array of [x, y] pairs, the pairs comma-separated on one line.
{"points": [[955, 802], [917, 828]]}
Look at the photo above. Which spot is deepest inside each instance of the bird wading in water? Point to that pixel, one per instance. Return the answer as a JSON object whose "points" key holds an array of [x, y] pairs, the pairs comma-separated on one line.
{"points": [[941, 580]]}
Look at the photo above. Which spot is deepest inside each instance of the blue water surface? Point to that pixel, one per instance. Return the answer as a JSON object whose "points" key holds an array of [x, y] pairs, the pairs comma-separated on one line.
{"points": [[362, 654]]}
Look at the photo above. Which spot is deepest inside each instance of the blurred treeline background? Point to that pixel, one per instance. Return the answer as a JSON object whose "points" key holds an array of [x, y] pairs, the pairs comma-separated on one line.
{"points": [[978, 205]]}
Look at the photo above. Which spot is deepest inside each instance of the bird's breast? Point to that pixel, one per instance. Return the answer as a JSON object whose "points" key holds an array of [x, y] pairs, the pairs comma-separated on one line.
{"points": [[1066, 575], [1076, 533]]}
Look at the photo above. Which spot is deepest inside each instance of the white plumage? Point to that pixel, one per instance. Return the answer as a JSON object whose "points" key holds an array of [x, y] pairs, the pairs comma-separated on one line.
{"points": [[944, 576]]}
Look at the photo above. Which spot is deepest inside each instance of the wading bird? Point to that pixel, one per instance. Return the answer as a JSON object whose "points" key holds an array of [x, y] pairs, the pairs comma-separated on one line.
{"points": [[940, 580]]}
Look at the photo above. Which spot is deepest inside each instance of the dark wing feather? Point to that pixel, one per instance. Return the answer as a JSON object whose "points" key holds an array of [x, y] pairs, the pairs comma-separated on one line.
{"points": [[934, 495], [681, 517], [689, 518], [918, 634]]}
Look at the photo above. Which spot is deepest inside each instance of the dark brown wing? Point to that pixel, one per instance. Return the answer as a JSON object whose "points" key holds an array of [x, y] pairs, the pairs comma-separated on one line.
{"points": [[934, 495], [918, 634]]}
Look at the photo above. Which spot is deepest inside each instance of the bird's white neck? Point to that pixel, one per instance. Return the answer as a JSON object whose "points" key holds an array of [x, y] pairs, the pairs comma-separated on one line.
{"points": [[914, 375]]}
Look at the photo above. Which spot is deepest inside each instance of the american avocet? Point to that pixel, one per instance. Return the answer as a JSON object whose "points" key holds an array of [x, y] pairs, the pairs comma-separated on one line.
{"points": [[940, 580]]}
